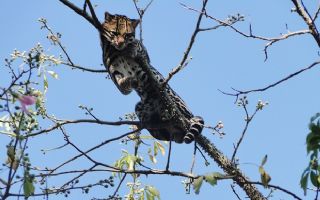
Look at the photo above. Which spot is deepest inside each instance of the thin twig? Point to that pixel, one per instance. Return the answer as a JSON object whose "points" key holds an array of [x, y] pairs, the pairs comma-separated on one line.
{"points": [[250, 34], [64, 122], [57, 40], [248, 119], [169, 155], [234, 191], [141, 13], [239, 92], [73, 66], [203, 156], [278, 188], [118, 187], [92, 149], [316, 14], [183, 61]]}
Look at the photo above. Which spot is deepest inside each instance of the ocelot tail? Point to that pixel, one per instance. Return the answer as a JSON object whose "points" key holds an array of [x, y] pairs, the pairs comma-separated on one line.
{"points": [[128, 64]]}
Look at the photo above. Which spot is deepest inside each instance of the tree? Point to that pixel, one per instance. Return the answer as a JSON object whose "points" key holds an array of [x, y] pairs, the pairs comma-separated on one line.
{"points": [[79, 157]]}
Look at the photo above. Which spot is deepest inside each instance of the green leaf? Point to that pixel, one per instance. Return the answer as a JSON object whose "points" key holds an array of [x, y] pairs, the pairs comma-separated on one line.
{"points": [[153, 191], [264, 160], [141, 197], [265, 177], [153, 159], [45, 83], [261, 170], [304, 182], [28, 186], [317, 115], [149, 196], [197, 184], [314, 128], [211, 178], [11, 153], [304, 179], [53, 74], [155, 149], [38, 103], [161, 147], [314, 179]]}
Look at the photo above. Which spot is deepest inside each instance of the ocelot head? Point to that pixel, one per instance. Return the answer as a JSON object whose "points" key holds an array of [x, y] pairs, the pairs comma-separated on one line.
{"points": [[119, 30]]}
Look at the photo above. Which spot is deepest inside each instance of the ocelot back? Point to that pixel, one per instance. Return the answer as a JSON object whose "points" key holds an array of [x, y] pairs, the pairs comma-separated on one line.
{"points": [[127, 60]]}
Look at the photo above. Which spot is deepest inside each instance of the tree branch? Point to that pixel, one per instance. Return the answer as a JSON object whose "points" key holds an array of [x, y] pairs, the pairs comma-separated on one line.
{"points": [[278, 188], [83, 13], [60, 123], [239, 92], [184, 61], [248, 119], [229, 168], [303, 12], [73, 66]]}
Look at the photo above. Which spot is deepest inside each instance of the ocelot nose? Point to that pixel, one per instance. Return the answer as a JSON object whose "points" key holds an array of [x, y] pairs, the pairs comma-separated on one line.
{"points": [[119, 41]]}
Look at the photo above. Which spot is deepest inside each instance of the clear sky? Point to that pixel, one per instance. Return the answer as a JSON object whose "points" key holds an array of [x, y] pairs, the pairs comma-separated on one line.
{"points": [[221, 59]]}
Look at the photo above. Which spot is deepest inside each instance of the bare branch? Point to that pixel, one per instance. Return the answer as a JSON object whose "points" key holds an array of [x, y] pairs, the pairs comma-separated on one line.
{"points": [[169, 155], [316, 14], [56, 39], [303, 12], [73, 66], [279, 188], [119, 185], [248, 119], [234, 191], [141, 12], [250, 34], [239, 92], [60, 123], [96, 21], [184, 61], [83, 13], [94, 148], [229, 168]]}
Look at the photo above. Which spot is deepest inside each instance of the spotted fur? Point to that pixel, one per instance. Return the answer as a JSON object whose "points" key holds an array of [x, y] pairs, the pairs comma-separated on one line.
{"points": [[129, 67]]}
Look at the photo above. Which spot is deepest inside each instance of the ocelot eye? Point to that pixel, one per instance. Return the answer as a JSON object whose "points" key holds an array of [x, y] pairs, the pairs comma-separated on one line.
{"points": [[114, 33], [129, 35]]}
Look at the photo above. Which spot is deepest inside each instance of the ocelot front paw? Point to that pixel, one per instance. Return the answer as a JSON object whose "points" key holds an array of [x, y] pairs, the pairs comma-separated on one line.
{"points": [[196, 126], [126, 84]]}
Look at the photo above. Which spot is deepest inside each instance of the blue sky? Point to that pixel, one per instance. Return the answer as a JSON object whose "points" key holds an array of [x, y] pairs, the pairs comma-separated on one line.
{"points": [[221, 59]]}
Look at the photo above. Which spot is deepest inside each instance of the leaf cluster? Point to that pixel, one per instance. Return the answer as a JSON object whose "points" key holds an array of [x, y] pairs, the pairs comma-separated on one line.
{"points": [[312, 171]]}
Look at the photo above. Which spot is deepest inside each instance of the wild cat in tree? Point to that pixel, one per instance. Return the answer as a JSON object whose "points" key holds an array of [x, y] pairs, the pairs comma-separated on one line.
{"points": [[128, 63]]}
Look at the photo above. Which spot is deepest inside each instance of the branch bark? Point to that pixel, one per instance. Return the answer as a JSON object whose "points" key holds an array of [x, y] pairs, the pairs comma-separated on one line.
{"points": [[303, 12], [229, 168]]}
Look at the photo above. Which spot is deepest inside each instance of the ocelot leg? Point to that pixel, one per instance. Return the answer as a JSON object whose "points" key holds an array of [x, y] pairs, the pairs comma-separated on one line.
{"points": [[151, 120], [126, 84], [195, 129]]}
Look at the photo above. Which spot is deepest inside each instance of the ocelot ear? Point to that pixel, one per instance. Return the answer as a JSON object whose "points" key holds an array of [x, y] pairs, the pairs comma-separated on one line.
{"points": [[135, 23], [107, 16]]}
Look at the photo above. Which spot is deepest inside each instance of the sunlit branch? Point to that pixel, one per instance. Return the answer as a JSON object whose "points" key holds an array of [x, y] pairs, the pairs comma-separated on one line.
{"points": [[303, 12]]}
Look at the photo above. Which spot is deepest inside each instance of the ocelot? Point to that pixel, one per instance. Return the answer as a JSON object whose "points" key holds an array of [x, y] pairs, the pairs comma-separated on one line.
{"points": [[128, 64]]}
